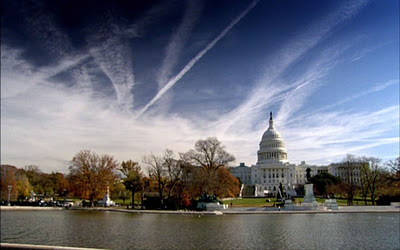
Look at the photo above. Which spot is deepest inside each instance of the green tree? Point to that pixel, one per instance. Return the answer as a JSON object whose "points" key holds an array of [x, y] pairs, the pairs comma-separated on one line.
{"points": [[132, 177], [24, 188], [322, 181], [34, 175], [120, 192]]}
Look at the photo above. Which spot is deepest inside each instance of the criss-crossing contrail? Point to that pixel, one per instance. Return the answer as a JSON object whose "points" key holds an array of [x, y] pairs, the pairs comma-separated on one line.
{"points": [[194, 60]]}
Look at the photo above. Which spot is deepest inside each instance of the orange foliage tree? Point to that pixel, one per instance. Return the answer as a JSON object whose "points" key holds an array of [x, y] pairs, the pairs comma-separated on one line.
{"points": [[92, 173]]}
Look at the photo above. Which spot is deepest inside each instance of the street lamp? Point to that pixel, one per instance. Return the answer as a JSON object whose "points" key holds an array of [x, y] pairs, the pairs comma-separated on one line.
{"points": [[9, 191]]}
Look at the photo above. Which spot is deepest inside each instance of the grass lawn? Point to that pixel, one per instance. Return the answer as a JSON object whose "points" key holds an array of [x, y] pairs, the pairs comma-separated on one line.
{"points": [[251, 202], [127, 202]]}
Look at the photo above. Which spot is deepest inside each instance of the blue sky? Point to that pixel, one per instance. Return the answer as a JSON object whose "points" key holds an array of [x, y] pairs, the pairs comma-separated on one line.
{"points": [[130, 79]]}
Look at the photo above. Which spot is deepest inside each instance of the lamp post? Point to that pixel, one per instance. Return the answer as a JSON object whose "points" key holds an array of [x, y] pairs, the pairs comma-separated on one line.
{"points": [[9, 191]]}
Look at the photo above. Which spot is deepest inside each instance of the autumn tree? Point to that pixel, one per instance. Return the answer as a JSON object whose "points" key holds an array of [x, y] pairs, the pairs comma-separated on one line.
{"points": [[133, 177], [59, 183], [227, 184], [93, 173], [8, 179]]}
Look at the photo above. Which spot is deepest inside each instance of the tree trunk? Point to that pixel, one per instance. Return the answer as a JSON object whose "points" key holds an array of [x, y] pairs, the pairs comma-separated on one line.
{"points": [[133, 199], [160, 191], [141, 199], [373, 194]]}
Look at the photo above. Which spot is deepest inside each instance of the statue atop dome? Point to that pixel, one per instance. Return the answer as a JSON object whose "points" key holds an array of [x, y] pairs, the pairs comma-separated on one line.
{"points": [[271, 121]]}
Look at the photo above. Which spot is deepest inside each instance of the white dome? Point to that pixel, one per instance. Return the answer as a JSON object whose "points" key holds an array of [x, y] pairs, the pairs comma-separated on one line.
{"points": [[272, 146]]}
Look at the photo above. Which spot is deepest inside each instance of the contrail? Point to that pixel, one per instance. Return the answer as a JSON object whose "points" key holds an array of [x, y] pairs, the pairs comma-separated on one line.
{"points": [[194, 60]]}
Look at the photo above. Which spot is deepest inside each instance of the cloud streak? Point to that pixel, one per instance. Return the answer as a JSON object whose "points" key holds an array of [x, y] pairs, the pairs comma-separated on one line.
{"points": [[113, 55], [272, 88], [177, 42], [194, 60]]}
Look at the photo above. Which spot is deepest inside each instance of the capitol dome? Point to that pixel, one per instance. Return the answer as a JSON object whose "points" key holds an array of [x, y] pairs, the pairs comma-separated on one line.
{"points": [[272, 146]]}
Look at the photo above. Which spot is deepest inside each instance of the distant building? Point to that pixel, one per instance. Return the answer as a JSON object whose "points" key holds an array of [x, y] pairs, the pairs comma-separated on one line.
{"points": [[346, 170], [243, 173], [272, 167]]}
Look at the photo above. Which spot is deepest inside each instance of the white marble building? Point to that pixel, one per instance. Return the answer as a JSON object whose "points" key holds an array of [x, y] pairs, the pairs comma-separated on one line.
{"points": [[272, 167]]}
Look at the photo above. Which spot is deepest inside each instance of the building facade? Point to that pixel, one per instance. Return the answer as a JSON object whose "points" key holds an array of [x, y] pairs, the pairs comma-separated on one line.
{"points": [[273, 169]]}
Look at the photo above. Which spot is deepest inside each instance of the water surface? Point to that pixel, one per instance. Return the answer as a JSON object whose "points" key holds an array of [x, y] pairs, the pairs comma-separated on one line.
{"points": [[165, 231]]}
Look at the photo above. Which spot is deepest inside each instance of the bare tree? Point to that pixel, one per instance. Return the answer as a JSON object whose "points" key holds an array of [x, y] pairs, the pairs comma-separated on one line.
{"points": [[375, 177], [209, 154], [349, 165], [158, 173], [146, 183], [364, 178], [207, 158], [394, 168], [174, 170]]}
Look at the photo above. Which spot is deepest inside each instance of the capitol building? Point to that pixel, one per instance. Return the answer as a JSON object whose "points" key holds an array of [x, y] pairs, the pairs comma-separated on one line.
{"points": [[273, 169]]}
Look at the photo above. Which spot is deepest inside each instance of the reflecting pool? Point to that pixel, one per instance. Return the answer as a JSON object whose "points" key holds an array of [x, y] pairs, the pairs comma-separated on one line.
{"points": [[115, 230]]}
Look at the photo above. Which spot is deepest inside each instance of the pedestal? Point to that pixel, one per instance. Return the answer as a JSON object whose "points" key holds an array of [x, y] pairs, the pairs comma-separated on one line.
{"points": [[309, 199], [331, 204]]}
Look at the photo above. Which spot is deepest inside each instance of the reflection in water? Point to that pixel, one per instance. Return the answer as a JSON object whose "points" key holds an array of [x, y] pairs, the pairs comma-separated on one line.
{"points": [[269, 231]]}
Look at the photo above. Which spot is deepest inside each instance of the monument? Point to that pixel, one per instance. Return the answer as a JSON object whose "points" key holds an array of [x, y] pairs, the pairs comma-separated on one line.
{"points": [[309, 201], [210, 202], [106, 202]]}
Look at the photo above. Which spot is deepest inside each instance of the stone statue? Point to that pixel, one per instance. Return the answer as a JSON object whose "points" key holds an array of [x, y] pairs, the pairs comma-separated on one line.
{"points": [[308, 170]]}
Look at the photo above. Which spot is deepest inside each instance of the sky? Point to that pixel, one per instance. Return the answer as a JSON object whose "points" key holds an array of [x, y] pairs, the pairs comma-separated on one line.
{"points": [[133, 78]]}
